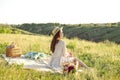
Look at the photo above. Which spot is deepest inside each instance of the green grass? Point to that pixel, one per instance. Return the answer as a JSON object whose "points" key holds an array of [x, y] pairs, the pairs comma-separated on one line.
{"points": [[103, 58]]}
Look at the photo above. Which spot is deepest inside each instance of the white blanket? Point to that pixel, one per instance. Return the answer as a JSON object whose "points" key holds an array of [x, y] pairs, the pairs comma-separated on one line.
{"points": [[40, 65]]}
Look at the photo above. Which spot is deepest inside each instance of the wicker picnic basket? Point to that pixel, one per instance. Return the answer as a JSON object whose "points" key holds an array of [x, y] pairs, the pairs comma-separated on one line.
{"points": [[13, 51]]}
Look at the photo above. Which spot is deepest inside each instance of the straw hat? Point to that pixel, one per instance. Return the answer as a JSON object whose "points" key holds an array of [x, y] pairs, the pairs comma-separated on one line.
{"points": [[56, 29]]}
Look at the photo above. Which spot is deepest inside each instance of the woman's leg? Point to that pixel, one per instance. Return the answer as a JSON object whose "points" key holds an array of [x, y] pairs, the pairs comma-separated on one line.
{"points": [[81, 63]]}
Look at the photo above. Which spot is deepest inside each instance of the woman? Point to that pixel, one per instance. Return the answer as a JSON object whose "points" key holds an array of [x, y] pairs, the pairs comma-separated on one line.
{"points": [[59, 50]]}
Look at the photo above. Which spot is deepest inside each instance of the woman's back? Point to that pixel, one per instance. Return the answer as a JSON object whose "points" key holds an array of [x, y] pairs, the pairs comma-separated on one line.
{"points": [[58, 53]]}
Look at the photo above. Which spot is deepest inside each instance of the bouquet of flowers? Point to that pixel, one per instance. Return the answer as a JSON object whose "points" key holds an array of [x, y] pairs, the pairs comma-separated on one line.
{"points": [[70, 67]]}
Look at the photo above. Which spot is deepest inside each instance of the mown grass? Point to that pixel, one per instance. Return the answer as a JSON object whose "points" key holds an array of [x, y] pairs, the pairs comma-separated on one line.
{"points": [[102, 58]]}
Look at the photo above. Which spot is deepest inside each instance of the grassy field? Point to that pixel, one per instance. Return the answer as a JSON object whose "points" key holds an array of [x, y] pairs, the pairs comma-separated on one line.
{"points": [[103, 58]]}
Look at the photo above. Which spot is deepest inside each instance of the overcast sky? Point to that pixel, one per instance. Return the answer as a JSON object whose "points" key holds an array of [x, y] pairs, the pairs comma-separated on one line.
{"points": [[60, 11]]}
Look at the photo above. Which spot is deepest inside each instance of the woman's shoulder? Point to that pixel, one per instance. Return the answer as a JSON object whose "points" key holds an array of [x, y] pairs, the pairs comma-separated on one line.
{"points": [[62, 42]]}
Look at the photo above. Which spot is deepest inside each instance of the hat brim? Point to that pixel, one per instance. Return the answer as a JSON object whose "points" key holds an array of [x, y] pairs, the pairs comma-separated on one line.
{"points": [[55, 32]]}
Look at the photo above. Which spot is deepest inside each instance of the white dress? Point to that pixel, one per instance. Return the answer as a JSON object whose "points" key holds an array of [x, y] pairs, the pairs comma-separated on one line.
{"points": [[59, 54]]}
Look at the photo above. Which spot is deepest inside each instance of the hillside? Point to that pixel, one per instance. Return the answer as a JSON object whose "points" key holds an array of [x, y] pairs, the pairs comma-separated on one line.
{"points": [[91, 32], [10, 29]]}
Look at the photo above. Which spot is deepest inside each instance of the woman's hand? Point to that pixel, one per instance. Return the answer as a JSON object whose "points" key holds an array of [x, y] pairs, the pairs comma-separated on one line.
{"points": [[70, 54]]}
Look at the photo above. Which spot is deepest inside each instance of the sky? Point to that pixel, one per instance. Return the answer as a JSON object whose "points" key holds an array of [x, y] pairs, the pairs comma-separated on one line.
{"points": [[59, 11]]}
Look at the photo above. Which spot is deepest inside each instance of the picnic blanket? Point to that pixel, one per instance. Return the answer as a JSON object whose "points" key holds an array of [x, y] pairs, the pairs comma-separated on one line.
{"points": [[33, 60]]}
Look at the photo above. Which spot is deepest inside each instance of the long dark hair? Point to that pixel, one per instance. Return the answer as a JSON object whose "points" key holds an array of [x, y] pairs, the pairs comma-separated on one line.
{"points": [[54, 41]]}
